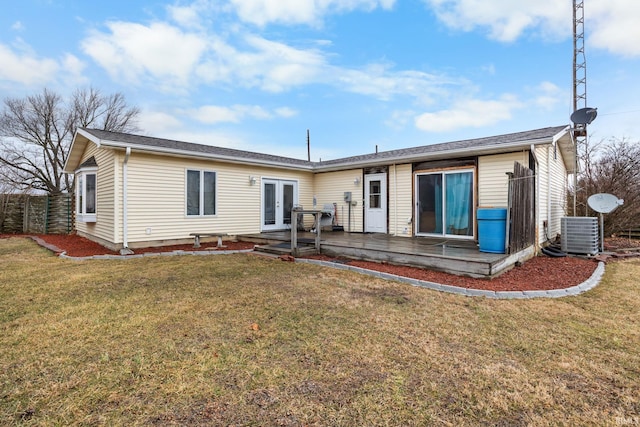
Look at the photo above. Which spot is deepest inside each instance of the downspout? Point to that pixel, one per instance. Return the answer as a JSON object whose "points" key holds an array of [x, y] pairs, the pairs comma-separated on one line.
{"points": [[395, 199], [125, 242], [537, 181], [548, 188]]}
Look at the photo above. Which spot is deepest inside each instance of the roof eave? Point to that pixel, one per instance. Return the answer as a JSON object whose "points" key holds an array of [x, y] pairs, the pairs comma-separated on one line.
{"points": [[563, 139], [78, 146], [461, 152], [566, 143], [208, 156]]}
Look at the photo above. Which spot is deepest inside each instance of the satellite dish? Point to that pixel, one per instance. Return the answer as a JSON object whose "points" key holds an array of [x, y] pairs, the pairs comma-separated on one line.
{"points": [[604, 203], [584, 116]]}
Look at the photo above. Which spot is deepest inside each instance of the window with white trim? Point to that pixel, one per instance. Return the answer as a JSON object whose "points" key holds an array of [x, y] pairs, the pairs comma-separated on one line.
{"points": [[86, 194], [201, 193]]}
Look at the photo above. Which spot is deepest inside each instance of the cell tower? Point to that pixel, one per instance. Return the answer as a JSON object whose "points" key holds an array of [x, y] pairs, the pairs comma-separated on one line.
{"points": [[579, 58], [582, 115]]}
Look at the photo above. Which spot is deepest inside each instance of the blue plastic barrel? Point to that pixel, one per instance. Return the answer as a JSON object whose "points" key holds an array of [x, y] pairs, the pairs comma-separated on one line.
{"points": [[492, 229]]}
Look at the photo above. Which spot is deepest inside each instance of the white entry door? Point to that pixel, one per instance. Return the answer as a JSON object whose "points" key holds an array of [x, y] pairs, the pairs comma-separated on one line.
{"points": [[375, 203], [278, 199]]}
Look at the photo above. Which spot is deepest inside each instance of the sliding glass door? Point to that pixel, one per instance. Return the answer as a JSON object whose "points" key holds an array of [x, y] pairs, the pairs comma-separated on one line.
{"points": [[444, 203]]}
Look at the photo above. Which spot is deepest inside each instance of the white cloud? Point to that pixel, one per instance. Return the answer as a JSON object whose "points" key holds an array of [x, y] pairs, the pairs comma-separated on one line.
{"points": [[613, 25], [178, 59], [17, 26], [547, 95], [186, 16], [379, 81], [158, 122], [72, 70], [609, 24], [175, 59], [278, 66], [26, 68], [469, 113], [400, 119], [505, 20], [211, 114], [286, 112], [133, 51], [262, 12]]}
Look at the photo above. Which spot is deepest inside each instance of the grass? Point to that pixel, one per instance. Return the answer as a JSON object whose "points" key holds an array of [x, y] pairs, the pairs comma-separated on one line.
{"points": [[246, 340]]}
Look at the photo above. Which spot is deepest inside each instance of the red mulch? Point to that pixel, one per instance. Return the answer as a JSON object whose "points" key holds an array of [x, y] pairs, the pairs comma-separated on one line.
{"points": [[539, 273], [76, 246]]}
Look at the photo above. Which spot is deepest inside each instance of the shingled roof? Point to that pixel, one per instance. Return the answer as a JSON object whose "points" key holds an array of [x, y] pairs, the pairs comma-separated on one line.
{"points": [[469, 147], [189, 147], [472, 146]]}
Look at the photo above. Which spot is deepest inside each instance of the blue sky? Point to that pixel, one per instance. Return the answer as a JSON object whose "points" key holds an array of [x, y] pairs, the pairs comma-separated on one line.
{"points": [[256, 74]]}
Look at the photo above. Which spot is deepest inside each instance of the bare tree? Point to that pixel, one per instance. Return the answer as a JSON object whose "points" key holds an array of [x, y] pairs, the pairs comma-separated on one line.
{"points": [[36, 134], [612, 167]]}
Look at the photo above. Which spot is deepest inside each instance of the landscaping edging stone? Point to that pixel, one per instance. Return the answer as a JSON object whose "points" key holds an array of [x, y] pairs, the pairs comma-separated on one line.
{"points": [[585, 286], [153, 254], [588, 284]]}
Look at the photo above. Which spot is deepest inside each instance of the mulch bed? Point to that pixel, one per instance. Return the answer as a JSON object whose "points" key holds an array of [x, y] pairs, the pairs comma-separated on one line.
{"points": [[77, 246], [539, 273]]}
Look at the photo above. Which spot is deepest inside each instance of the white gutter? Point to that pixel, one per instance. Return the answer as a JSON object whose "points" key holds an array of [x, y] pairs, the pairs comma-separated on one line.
{"points": [[125, 239]]}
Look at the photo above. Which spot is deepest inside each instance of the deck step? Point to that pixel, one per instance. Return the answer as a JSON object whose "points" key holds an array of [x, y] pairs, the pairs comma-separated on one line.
{"points": [[284, 249]]}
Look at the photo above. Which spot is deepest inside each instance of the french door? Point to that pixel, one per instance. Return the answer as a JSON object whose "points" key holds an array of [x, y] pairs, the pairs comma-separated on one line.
{"points": [[445, 203], [278, 199]]}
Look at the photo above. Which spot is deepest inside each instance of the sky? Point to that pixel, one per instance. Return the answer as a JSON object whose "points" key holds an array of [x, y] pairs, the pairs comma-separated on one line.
{"points": [[358, 74]]}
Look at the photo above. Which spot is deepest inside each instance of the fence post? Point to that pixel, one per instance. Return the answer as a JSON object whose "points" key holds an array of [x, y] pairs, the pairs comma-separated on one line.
{"points": [[46, 215], [25, 216]]}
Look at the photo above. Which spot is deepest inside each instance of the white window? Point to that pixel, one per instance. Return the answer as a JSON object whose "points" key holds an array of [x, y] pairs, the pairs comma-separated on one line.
{"points": [[201, 193], [86, 194]]}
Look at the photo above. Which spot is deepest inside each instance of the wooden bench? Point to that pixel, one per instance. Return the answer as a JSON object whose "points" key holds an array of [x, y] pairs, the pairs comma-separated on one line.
{"points": [[196, 236]]}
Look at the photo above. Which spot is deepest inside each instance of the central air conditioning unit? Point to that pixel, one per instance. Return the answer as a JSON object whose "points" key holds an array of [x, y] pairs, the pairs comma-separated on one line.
{"points": [[579, 235]]}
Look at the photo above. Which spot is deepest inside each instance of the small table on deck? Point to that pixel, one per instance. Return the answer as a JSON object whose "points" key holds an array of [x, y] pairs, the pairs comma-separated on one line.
{"points": [[294, 228]]}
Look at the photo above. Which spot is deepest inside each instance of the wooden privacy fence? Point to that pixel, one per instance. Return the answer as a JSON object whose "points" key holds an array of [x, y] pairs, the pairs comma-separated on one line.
{"points": [[48, 214], [633, 233], [521, 214]]}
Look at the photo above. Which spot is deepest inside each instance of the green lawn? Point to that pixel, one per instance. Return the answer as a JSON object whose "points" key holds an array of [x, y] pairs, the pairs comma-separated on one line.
{"points": [[247, 340]]}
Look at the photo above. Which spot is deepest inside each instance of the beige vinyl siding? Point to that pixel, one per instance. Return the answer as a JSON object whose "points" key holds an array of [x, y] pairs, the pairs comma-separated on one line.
{"points": [[330, 188], [156, 197], [400, 200], [492, 177], [552, 191], [103, 228]]}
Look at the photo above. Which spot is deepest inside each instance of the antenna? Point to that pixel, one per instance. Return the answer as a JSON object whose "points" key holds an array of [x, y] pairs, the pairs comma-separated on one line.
{"points": [[579, 59], [582, 115], [603, 203]]}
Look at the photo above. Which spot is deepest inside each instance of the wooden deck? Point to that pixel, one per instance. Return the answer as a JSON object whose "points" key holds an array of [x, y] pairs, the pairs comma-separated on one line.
{"points": [[455, 256]]}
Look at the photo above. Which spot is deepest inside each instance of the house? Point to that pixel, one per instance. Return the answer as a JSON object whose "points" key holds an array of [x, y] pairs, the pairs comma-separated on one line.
{"points": [[134, 191]]}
